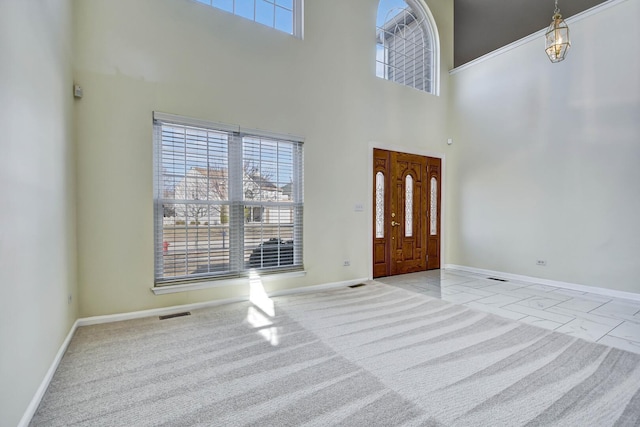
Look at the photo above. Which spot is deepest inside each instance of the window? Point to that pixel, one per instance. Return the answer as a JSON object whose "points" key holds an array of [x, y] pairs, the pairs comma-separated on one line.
{"points": [[408, 206], [433, 214], [283, 15], [406, 50], [226, 200], [379, 205]]}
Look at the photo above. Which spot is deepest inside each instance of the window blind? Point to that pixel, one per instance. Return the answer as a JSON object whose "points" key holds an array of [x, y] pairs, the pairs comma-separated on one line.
{"points": [[226, 201]]}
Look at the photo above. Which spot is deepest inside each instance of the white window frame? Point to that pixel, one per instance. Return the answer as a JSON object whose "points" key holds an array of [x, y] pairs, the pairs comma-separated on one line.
{"points": [[236, 201], [430, 30], [297, 14]]}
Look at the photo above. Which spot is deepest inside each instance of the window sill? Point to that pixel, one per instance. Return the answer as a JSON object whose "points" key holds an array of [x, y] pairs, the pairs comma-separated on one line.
{"points": [[196, 286]]}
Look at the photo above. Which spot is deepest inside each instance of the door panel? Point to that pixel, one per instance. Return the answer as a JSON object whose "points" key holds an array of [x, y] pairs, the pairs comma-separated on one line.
{"points": [[381, 200], [433, 245], [408, 203], [405, 240]]}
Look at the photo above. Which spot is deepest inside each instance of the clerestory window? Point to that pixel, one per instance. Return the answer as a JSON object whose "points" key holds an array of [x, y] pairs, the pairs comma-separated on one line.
{"points": [[227, 200], [407, 44], [282, 15]]}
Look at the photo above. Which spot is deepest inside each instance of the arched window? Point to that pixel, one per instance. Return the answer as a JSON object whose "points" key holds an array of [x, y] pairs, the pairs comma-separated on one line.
{"points": [[408, 206], [407, 44], [379, 205]]}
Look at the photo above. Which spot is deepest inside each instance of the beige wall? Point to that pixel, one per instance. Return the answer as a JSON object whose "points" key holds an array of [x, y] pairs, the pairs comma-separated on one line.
{"points": [[546, 157], [520, 184], [37, 192], [181, 57]]}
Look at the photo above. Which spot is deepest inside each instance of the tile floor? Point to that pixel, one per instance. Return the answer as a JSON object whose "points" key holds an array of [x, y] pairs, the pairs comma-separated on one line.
{"points": [[611, 321]]}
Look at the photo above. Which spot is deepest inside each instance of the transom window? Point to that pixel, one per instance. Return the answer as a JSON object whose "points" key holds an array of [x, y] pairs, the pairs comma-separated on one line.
{"points": [[406, 50], [283, 15], [227, 201]]}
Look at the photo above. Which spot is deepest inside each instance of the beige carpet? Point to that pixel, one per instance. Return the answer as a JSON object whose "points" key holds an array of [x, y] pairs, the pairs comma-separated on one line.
{"points": [[372, 355]]}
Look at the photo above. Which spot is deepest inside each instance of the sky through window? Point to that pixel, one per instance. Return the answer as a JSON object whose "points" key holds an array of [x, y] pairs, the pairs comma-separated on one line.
{"points": [[278, 14]]}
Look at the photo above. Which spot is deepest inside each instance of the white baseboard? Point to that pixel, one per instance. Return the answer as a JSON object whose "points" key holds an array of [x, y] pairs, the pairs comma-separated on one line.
{"points": [[118, 317], [558, 284], [35, 401], [178, 308]]}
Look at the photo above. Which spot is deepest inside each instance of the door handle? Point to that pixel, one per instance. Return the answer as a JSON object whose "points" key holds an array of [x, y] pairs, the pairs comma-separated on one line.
{"points": [[394, 224]]}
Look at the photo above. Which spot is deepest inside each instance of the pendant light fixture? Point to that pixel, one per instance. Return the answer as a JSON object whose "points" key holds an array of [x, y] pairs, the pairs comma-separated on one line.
{"points": [[557, 41]]}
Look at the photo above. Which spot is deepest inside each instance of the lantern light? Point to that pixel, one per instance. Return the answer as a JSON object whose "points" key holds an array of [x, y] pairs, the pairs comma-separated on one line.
{"points": [[557, 41]]}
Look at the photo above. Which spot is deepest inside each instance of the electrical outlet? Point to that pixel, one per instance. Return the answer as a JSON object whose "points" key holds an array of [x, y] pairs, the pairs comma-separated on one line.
{"points": [[69, 298], [347, 263], [541, 262]]}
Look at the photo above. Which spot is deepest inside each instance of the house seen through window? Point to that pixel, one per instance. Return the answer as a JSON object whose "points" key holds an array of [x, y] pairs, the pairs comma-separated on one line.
{"points": [[226, 201], [406, 44]]}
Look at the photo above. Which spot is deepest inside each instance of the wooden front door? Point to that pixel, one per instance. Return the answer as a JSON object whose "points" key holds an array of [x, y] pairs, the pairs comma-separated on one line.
{"points": [[406, 209]]}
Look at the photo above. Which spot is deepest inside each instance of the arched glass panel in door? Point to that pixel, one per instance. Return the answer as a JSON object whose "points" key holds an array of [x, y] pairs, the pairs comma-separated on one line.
{"points": [[408, 206], [379, 205], [433, 213]]}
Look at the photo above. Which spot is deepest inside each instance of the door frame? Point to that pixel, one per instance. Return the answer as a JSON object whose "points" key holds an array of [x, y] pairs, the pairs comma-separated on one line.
{"points": [[370, 184]]}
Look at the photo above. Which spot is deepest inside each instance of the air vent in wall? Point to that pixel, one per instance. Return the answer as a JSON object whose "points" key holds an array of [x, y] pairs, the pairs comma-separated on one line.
{"points": [[171, 316], [358, 285]]}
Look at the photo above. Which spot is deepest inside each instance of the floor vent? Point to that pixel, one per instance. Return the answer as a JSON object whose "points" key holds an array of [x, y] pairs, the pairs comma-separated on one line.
{"points": [[171, 316], [358, 285], [499, 280]]}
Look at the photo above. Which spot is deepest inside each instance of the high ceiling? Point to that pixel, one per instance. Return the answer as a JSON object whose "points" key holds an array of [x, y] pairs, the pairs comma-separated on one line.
{"points": [[485, 25]]}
